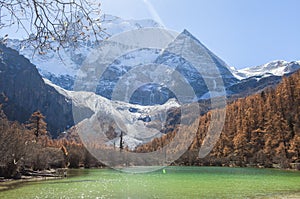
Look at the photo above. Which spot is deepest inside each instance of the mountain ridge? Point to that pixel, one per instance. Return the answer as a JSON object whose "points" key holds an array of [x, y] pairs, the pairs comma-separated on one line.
{"points": [[275, 68], [63, 73]]}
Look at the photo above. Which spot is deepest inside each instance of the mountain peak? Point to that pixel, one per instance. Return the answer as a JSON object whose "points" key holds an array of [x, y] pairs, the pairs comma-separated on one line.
{"points": [[186, 34], [275, 63], [276, 68]]}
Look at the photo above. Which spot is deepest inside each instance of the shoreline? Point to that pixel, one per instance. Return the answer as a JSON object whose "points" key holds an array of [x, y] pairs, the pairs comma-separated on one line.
{"points": [[7, 184], [32, 176]]}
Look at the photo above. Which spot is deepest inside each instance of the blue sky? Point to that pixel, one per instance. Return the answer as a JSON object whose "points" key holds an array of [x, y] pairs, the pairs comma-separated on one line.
{"points": [[242, 32]]}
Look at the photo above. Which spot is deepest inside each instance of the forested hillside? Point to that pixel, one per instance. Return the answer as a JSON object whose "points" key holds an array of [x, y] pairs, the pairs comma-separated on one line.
{"points": [[28, 147], [260, 130]]}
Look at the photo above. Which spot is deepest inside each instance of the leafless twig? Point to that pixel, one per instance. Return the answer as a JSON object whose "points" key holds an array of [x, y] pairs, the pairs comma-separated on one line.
{"points": [[53, 24]]}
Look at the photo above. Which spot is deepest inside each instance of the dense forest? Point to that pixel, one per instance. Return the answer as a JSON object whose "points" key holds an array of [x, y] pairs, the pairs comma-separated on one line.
{"points": [[260, 130]]}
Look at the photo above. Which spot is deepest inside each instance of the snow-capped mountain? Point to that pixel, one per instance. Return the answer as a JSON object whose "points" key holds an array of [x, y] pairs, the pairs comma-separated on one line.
{"points": [[113, 25], [177, 56], [274, 68], [203, 70], [181, 55], [121, 66], [140, 123], [61, 68], [23, 91]]}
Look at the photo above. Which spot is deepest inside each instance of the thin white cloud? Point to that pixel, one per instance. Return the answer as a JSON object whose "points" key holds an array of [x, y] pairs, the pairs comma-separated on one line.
{"points": [[154, 13]]}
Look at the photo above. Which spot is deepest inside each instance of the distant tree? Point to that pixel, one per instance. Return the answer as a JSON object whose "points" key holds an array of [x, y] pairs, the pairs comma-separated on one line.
{"points": [[121, 141], [52, 24], [295, 148], [37, 124], [65, 155], [240, 145], [2, 114]]}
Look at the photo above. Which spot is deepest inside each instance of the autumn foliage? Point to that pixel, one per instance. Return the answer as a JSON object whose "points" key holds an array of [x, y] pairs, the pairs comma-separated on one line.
{"points": [[260, 130], [28, 146]]}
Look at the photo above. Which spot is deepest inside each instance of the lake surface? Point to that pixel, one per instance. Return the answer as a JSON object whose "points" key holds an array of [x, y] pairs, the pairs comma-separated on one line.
{"points": [[175, 182]]}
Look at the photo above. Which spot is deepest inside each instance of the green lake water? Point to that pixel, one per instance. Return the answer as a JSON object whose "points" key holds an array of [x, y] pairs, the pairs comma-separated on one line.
{"points": [[175, 182]]}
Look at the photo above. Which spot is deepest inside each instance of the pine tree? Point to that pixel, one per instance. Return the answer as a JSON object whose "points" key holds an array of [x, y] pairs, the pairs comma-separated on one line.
{"points": [[37, 124], [295, 148]]}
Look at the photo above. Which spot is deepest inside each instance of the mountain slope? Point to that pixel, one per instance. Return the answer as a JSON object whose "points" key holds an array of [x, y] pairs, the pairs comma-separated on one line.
{"points": [[123, 65], [23, 91], [260, 130], [211, 67], [61, 68], [173, 57], [140, 124], [256, 79]]}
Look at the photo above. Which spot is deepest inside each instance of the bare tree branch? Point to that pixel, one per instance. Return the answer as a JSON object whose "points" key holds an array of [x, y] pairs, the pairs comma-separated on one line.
{"points": [[53, 24]]}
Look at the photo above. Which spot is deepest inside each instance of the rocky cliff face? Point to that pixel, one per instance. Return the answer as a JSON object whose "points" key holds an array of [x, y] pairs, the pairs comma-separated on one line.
{"points": [[23, 91]]}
